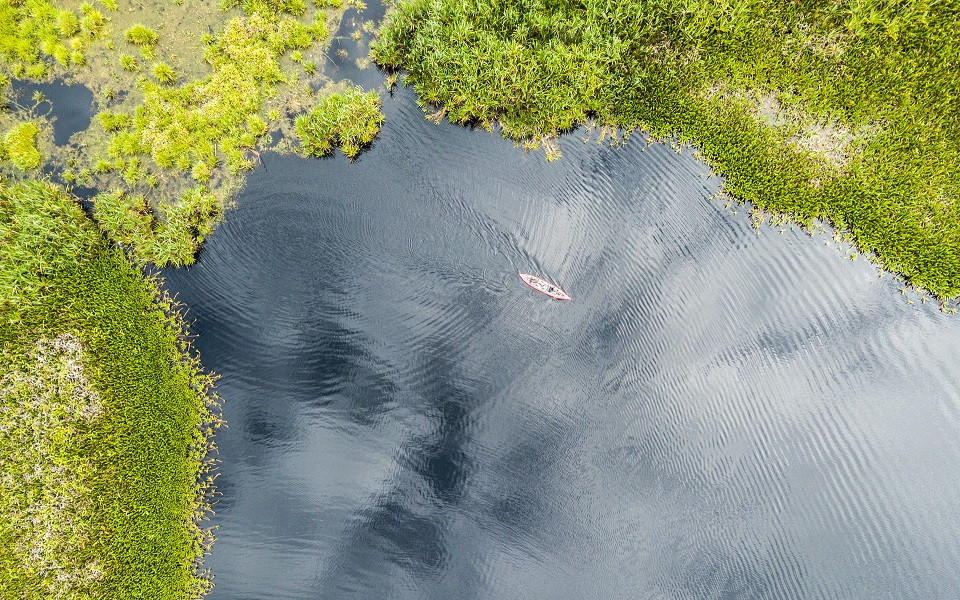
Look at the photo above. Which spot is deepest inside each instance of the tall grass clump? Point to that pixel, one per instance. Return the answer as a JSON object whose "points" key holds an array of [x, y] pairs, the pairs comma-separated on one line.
{"points": [[164, 73], [348, 120], [839, 111], [141, 35], [105, 416], [20, 146]]}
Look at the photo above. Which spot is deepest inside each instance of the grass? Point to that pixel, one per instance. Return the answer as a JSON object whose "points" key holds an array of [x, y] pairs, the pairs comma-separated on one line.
{"points": [[20, 146], [105, 416], [194, 121], [171, 237], [840, 111], [198, 125], [36, 35], [348, 120], [141, 36]]}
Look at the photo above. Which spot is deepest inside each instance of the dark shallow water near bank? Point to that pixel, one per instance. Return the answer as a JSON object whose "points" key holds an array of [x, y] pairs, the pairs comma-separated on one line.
{"points": [[716, 414], [69, 106]]}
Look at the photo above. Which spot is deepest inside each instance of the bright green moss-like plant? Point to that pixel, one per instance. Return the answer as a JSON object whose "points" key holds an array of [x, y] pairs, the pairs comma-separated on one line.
{"points": [[31, 31], [141, 36], [348, 120], [112, 121], [164, 73], [129, 63], [20, 146]]}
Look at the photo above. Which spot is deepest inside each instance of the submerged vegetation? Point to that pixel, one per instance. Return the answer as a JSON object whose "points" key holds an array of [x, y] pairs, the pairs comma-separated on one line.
{"points": [[104, 416], [840, 111]]}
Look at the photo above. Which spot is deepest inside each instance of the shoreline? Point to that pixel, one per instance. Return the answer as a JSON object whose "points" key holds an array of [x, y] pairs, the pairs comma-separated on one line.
{"points": [[796, 109], [127, 519]]}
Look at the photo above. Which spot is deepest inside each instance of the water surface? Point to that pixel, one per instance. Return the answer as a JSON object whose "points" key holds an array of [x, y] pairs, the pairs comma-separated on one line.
{"points": [[716, 414], [69, 106]]}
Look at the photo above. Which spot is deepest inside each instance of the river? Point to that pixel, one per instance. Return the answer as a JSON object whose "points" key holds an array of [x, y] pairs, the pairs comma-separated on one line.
{"points": [[718, 412]]}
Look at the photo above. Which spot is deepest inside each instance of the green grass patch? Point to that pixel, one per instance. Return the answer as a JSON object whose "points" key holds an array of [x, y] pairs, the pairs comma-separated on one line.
{"points": [[37, 34], [170, 236], [348, 120], [20, 146], [141, 36], [103, 416], [164, 73], [818, 110]]}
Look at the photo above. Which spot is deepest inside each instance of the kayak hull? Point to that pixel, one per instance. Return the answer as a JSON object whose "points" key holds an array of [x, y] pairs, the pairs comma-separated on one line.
{"points": [[544, 287]]}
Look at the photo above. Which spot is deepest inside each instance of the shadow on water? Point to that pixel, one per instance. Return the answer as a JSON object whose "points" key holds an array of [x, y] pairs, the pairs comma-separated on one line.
{"points": [[716, 414]]}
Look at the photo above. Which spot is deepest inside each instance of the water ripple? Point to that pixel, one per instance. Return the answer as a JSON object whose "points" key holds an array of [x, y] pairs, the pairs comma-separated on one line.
{"points": [[719, 413]]}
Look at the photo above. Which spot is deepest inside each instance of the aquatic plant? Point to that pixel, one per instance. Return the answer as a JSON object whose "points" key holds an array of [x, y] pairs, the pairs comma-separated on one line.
{"points": [[129, 63], [206, 122], [348, 120], [164, 73], [833, 111], [170, 236], [178, 129], [31, 30], [141, 36], [105, 413], [20, 146]]}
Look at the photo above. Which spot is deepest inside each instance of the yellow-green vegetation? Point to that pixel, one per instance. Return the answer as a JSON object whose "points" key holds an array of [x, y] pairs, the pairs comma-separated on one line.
{"points": [[20, 146], [104, 416], [349, 119], [172, 119], [193, 127], [164, 73], [141, 36], [841, 111], [32, 31], [171, 237]]}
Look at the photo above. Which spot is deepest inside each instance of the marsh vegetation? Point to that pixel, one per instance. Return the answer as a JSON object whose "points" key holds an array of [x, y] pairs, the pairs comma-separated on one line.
{"points": [[104, 416], [105, 412], [835, 111], [170, 119]]}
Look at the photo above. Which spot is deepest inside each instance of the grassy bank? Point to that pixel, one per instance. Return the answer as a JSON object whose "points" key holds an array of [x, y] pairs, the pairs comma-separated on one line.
{"points": [[841, 111], [103, 416]]}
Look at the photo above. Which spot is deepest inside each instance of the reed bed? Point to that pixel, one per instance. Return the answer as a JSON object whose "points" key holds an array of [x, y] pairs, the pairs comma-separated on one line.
{"points": [[104, 416], [835, 111]]}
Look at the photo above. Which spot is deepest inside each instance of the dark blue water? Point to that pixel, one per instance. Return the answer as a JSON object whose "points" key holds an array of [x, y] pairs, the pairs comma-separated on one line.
{"points": [[69, 106], [717, 414]]}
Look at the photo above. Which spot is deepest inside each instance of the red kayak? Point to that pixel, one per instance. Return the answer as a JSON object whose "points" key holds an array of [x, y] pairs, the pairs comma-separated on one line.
{"points": [[544, 287]]}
